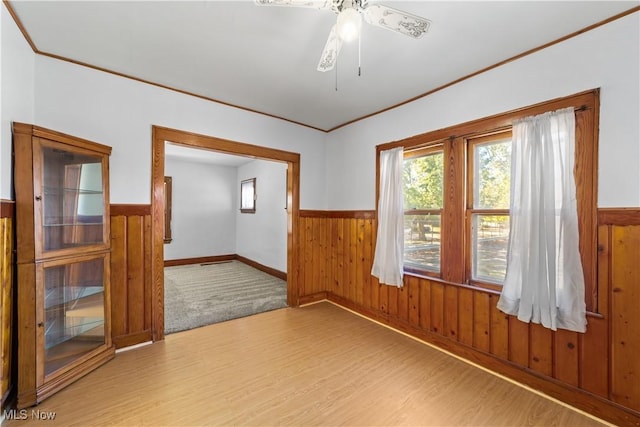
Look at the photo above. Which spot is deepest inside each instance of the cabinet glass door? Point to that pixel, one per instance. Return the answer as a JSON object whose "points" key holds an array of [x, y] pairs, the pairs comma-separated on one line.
{"points": [[74, 320], [73, 202]]}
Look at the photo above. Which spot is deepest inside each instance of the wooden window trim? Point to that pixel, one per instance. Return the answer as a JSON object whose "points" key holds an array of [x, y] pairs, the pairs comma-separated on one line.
{"points": [[454, 218]]}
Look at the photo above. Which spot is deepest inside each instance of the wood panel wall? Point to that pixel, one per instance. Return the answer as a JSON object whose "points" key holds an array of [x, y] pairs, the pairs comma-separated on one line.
{"points": [[619, 245], [598, 371], [131, 274], [7, 214]]}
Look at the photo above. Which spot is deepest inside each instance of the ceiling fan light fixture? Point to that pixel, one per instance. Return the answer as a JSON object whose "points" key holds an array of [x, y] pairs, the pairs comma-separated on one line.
{"points": [[349, 24]]}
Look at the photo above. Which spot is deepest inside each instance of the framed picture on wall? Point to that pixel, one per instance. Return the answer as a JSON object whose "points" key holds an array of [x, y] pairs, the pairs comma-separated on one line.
{"points": [[248, 196]]}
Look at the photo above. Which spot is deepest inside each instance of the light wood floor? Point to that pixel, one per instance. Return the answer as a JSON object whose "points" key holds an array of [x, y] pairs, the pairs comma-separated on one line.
{"points": [[317, 365]]}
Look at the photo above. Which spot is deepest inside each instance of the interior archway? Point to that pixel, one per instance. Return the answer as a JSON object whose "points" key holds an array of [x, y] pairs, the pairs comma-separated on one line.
{"points": [[188, 139]]}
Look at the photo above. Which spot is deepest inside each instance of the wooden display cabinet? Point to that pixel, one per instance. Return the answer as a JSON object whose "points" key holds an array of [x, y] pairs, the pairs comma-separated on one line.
{"points": [[63, 242]]}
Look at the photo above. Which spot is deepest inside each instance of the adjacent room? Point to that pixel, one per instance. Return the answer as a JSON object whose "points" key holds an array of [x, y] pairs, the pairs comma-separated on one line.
{"points": [[333, 212], [224, 257]]}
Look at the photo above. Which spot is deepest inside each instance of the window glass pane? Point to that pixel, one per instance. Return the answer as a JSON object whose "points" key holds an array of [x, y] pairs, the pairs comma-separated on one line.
{"points": [[490, 238], [248, 196], [73, 205], [422, 182], [422, 242], [492, 175], [74, 315]]}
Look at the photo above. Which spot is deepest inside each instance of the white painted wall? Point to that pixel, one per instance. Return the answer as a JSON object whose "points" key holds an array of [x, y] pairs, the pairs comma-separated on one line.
{"points": [[17, 67], [120, 112], [262, 236], [607, 57], [204, 204]]}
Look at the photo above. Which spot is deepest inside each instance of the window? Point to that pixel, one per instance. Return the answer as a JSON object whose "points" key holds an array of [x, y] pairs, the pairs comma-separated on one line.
{"points": [[248, 196], [457, 182], [422, 190], [489, 181]]}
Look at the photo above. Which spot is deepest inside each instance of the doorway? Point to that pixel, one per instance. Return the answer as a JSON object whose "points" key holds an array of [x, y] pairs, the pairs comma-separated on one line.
{"points": [[187, 139]]}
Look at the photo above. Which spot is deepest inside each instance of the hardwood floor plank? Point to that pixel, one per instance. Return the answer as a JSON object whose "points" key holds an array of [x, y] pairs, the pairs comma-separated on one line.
{"points": [[316, 365]]}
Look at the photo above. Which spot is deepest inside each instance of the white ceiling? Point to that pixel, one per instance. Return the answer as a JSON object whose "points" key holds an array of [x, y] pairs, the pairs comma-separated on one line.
{"points": [[264, 58]]}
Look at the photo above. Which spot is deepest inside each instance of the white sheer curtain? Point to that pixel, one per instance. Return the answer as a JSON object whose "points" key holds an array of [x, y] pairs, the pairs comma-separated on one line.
{"points": [[544, 281], [388, 258]]}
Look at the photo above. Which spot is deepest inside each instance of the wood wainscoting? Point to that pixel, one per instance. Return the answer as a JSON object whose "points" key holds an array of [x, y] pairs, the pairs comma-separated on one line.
{"points": [[619, 271], [7, 303], [131, 274], [597, 372]]}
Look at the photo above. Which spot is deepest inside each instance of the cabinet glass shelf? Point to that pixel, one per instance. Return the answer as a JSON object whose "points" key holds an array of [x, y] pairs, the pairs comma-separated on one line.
{"points": [[89, 329], [57, 296], [59, 222], [59, 191]]}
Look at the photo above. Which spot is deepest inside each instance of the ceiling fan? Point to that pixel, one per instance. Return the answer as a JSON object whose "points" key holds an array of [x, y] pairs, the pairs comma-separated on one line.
{"points": [[350, 14]]}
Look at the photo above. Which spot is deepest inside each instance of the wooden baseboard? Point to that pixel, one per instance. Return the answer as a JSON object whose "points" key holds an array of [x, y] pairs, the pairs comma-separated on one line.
{"points": [[272, 271], [132, 339], [221, 258], [199, 260], [575, 397], [310, 299]]}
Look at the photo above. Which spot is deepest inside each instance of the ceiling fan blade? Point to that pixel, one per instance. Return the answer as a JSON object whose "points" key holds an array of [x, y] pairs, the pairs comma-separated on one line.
{"points": [[314, 4], [330, 52], [397, 20]]}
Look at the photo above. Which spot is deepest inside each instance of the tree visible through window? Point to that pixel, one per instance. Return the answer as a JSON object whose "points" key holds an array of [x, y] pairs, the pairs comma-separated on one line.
{"points": [[489, 184], [422, 190]]}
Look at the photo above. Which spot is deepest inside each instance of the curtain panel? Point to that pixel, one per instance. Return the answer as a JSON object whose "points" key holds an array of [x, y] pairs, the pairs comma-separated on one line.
{"points": [[389, 253], [544, 282]]}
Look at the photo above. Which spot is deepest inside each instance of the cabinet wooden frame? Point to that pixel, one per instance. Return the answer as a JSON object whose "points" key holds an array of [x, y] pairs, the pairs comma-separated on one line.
{"points": [[39, 214], [34, 257]]}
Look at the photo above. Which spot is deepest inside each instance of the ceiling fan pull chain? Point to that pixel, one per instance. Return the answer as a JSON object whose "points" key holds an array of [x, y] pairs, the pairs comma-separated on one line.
{"points": [[359, 54], [337, 46]]}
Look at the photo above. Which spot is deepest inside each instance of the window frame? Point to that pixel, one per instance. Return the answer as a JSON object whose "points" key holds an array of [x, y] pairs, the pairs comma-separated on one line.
{"points": [[454, 219]]}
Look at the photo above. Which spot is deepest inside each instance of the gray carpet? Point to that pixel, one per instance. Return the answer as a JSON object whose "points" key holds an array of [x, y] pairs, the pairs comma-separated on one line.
{"points": [[197, 295]]}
